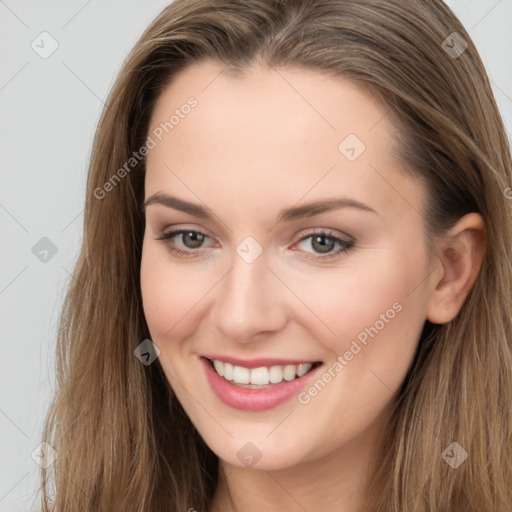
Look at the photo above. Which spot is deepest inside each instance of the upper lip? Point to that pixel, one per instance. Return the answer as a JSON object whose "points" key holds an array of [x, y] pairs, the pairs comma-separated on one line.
{"points": [[258, 362]]}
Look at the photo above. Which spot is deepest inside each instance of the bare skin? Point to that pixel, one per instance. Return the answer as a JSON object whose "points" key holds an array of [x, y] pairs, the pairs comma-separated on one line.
{"points": [[253, 146]]}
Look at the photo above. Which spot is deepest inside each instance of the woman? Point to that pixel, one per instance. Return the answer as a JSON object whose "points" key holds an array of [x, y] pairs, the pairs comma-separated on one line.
{"points": [[294, 288]]}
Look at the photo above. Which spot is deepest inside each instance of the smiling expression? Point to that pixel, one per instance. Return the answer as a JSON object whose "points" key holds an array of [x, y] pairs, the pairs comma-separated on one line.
{"points": [[279, 229]]}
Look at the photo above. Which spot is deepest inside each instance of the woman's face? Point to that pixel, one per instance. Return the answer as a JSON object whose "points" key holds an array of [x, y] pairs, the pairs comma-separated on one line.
{"points": [[293, 244]]}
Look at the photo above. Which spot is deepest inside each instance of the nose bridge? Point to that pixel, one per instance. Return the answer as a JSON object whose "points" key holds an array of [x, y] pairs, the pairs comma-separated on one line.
{"points": [[248, 302]]}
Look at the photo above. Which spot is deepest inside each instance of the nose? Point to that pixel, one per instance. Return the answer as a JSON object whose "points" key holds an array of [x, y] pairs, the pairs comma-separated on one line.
{"points": [[250, 302]]}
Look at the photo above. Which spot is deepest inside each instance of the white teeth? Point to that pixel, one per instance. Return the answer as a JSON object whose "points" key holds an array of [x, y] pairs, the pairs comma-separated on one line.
{"points": [[289, 372], [275, 374], [302, 369], [261, 376], [219, 367], [241, 375], [228, 370]]}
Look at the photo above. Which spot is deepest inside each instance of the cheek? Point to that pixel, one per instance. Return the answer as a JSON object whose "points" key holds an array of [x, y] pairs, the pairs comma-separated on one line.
{"points": [[347, 301], [171, 294], [377, 321], [371, 314]]}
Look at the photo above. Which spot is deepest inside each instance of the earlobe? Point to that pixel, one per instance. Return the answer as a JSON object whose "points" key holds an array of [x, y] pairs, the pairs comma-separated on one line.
{"points": [[460, 257]]}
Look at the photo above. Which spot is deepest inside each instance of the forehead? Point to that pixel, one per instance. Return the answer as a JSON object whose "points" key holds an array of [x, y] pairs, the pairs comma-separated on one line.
{"points": [[273, 135]]}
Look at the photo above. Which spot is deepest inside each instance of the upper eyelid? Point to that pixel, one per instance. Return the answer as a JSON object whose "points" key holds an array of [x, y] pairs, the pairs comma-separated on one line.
{"points": [[180, 228], [328, 232], [304, 232], [336, 233]]}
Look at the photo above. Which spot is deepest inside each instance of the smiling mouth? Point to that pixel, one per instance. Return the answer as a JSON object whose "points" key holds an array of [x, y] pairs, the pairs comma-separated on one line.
{"points": [[263, 376]]}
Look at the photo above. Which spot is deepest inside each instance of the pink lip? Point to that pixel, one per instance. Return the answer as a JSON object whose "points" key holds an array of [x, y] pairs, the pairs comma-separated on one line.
{"points": [[255, 399], [255, 363]]}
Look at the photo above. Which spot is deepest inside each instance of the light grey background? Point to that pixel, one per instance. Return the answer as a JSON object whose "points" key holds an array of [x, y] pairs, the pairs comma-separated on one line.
{"points": [[49, 109]]}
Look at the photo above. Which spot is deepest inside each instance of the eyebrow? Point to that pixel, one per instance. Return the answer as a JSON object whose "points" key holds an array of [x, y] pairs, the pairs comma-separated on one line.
{"points": [[288, 214]]}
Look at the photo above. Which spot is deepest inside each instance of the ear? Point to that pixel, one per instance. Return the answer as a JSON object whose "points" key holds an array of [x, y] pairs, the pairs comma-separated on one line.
{"points": [[460, 254]]}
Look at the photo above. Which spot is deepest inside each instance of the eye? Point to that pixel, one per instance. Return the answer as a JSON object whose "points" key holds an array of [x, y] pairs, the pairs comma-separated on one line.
{"points": [[184, 241], [192, 239], [324, 245], [320, 246]]}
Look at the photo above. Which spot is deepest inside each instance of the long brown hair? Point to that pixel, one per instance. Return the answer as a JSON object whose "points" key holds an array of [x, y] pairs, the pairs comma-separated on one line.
{"points": [[124, 443]]}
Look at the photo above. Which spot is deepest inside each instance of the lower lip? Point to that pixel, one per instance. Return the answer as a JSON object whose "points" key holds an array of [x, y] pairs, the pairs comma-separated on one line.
{"points": [[255, 399]]}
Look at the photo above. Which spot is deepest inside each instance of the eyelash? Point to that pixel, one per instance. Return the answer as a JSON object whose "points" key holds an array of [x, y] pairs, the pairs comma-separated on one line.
{"points": [[346, 245]]}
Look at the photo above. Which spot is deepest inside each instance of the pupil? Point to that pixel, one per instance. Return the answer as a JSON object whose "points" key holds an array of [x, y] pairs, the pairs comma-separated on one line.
{"points": [[322, 244], [192, 240]]}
